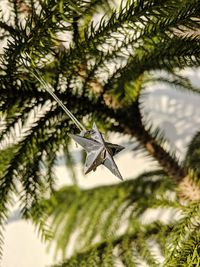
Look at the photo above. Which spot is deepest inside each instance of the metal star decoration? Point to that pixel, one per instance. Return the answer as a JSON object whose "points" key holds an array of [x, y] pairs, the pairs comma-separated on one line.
{"points": [[98, 151]]}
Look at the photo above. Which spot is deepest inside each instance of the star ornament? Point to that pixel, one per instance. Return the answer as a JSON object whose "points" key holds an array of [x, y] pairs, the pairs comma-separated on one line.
{"points": [[98, 151]]}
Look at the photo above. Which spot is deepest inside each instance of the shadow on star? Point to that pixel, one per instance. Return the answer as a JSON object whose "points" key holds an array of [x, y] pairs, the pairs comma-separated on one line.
{"points": [[98, 151]]}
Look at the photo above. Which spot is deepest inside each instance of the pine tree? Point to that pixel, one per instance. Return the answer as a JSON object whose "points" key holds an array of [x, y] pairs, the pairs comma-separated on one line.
{"points": [[99, 57]]}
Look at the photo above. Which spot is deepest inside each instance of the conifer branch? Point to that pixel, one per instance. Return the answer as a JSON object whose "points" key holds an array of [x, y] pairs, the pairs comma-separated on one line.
{"points": [[135, 127], [7, 27], [75, 29], [187, 188], [92, 209]]}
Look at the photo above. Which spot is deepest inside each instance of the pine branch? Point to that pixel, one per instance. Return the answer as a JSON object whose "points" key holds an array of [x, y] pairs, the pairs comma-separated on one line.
{"points": [[193, 156], [7, 27], [70, 202], [187, 187], [90, 215], [75, 29], [103, 253], [184, 239], [175, 81], [136, 128]]}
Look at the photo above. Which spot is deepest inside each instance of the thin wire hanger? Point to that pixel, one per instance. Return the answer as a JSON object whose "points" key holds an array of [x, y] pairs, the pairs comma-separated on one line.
{"points": [[48, 87]]}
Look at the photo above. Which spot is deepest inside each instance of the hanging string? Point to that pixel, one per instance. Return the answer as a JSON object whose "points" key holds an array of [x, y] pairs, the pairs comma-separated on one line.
{"points": [[49, 89]]}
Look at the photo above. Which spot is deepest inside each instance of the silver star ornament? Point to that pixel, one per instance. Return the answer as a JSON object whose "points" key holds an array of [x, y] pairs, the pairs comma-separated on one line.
{"points": [[98, 150]]}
